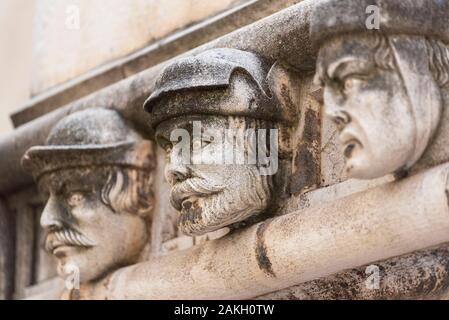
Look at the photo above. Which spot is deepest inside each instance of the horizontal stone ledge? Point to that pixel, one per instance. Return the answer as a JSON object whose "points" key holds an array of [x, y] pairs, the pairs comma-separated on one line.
{"points": [[155, 53], [282, 36], [376, 224], [418, 275]]}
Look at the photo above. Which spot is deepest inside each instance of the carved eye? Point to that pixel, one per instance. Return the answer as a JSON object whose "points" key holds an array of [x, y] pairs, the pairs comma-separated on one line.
{"points": [[75, 198], [348, 84]]}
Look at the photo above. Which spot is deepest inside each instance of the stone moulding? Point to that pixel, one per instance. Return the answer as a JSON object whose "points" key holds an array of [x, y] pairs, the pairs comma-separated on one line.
{"points": [[156, 52], [372, 225], [397, 278], [282, 36]]}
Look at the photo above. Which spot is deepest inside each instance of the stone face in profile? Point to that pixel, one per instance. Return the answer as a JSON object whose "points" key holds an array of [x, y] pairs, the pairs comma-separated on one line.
{"points": [[382, 89], [96, 173], [215, 102]]}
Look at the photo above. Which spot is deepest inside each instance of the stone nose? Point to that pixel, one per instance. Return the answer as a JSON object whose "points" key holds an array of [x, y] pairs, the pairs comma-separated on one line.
{"points": [[51, 217], [175, 173], [335, 111]]}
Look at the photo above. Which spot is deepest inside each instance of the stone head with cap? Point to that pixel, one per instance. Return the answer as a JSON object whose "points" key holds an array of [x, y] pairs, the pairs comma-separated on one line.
{"points": [[214, 113], [96, 173], [382, 87]]}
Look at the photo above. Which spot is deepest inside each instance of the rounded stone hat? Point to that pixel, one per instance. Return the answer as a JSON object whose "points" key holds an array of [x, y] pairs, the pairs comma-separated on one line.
{"points": [[91, 137], [415, 17], [213, 69]]}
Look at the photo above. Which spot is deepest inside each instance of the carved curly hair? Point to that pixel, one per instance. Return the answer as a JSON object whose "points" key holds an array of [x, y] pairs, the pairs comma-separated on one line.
{"points": [[128, 190]]}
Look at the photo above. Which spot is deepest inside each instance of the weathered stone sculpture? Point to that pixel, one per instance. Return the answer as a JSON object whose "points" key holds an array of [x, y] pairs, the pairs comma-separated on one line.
{"points": [[226, 100], [383, 88], [96, 173], [386, 90]]}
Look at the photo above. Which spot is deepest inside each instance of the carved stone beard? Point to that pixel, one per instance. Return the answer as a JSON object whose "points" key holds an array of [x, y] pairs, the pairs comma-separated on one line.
{"points": [[212, 207]]}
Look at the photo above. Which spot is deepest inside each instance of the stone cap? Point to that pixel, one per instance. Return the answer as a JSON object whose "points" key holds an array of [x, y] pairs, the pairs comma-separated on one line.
{"points": [[415, 17], [213, 69], [93, 137]]}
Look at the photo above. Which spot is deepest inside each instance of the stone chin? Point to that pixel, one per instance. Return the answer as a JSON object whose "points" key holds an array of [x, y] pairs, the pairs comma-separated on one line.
{"points": [[363, 162], [206, 214], [360, 163], [74, 262], [359, 167]]}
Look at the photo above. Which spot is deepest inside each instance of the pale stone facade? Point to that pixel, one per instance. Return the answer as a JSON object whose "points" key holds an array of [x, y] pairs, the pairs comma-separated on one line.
{"points": [[16, 19], [85, 34], [340, 190]]}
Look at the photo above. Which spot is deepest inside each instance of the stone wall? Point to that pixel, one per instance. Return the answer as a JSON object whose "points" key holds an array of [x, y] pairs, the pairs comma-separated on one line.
{"points": [[105, 32], [16, 18], [357, 205]]}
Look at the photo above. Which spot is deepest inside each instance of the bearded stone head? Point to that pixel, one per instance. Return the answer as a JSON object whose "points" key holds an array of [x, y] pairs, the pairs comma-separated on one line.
{"points": [[215, 116], [382, 88], [95, 172]]}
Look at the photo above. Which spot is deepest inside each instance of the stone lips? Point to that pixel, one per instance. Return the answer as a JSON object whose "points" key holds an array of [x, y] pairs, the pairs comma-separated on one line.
{"points": [[212, 69], [428, 18]]}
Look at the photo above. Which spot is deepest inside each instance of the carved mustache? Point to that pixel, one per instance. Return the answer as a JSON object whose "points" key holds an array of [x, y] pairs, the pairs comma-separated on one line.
{"points": [[68, 237], [191, 187]]}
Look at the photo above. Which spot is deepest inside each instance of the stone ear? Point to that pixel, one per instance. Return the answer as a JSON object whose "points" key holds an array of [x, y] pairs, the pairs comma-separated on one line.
{"points": [[284, 85]]}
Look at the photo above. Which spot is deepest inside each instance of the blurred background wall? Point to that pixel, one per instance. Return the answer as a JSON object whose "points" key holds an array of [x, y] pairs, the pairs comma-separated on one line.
{"points": [[45, 43], [16, 20]]}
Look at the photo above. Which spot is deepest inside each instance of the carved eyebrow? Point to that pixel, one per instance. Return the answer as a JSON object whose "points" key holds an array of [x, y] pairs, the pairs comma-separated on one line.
{"points": [[345, 66]]}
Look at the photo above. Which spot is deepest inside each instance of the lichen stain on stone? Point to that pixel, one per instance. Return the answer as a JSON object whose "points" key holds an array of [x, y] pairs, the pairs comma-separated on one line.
{"points": [[447, 196], [191, 214], [261, 251], [307, 162]]}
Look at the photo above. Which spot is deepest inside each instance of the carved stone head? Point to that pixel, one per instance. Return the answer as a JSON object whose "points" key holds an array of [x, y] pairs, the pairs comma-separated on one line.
{"points": [[207, 110], [96, 173], [382, 88]]}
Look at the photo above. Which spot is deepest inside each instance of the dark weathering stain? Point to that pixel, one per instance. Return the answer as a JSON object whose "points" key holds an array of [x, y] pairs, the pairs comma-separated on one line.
{"points": [[261, 250], [447, 196], [191, 213], [447, 189], [307, 161]]}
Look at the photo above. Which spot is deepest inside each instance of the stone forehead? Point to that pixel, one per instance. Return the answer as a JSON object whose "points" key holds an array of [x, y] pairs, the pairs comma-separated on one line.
{"points": [[415, 17], [355, 45], [76, 177], [211, 122]]}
